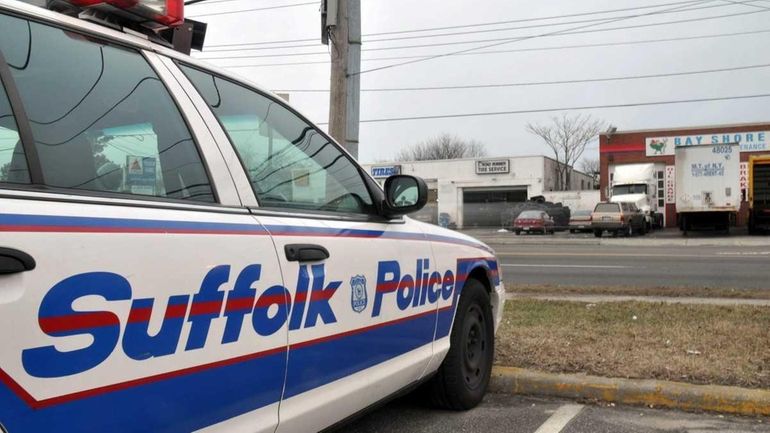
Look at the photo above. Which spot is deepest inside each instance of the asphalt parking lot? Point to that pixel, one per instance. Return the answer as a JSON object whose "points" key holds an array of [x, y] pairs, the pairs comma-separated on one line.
{"points": [[516, 414]]}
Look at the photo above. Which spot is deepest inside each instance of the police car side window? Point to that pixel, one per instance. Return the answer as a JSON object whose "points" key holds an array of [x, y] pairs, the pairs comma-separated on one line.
{"points": [[290, 164], [13, 163], [101, 118]]}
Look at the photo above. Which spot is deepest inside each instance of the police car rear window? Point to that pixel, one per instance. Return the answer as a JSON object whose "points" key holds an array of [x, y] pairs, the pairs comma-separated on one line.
{"points": [[101, 118]]}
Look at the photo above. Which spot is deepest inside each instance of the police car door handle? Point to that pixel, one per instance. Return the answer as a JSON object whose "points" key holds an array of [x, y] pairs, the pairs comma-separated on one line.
{"points": [[14, 261], [305, 253]]}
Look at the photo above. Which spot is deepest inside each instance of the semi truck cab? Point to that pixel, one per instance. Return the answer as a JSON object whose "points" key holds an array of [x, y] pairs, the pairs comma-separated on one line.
{"points": [[638, 184]]}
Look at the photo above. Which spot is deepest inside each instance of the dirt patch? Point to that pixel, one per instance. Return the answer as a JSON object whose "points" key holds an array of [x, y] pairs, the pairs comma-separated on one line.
{"points": [[698, 292], [687, 343]]}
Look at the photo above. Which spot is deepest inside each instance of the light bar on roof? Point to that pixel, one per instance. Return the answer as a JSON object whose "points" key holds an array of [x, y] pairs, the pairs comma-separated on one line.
{"points": [[165, 13]]}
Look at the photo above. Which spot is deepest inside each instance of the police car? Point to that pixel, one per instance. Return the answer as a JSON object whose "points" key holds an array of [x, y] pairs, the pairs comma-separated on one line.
{"points": [[180, 250]]}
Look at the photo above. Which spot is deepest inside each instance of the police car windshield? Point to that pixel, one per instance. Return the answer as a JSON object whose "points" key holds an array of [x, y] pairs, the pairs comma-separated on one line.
{"points": [[289, 162]]}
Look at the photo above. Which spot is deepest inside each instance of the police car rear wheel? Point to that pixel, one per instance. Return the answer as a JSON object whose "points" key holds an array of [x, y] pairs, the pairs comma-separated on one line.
{"points": [[462, 379]]}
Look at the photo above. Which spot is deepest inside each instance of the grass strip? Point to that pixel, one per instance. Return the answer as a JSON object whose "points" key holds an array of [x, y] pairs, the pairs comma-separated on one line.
{"points": [[701, 344]]}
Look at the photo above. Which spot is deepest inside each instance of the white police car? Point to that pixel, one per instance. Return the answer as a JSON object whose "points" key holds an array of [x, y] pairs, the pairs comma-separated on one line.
{"points": [[182, 251]]}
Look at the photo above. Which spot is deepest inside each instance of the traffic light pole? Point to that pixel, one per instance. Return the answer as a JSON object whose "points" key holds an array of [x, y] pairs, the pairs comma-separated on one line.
{"points": [[344, 103]]}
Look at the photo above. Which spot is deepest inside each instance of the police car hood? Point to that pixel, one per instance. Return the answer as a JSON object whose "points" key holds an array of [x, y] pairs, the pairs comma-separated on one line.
{"points": [[437, 233]]}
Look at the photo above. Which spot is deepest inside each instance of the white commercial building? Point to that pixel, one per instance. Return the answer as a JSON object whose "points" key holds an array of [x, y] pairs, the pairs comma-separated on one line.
{"points": [[474, 192]]}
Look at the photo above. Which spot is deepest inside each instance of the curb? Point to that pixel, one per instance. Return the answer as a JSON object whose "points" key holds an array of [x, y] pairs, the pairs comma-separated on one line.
{"points": [[658, 393]]}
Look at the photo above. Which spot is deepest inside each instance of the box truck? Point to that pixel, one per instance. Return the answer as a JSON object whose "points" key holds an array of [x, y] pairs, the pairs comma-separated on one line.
{"points": [[708, 194], [638, 184], [759, 194]]}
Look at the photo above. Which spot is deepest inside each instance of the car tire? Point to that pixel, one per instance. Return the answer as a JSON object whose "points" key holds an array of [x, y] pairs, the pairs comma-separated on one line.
{"points": [[518, 232], [573, 231], [462, 379], [598, 233]]}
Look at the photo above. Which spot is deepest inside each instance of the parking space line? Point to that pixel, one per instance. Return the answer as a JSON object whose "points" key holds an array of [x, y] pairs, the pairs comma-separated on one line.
{"points": [[560, 418], [522, 265]]}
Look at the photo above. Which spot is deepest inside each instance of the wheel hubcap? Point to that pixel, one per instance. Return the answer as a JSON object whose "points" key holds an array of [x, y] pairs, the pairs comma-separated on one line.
{"points": [[474, 347]]}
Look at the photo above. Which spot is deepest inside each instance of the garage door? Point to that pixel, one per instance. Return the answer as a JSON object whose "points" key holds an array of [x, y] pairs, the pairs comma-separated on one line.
{"points": [[483, 207]]}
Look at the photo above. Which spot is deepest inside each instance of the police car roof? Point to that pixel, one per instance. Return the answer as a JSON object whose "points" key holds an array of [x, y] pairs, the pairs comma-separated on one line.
{"points": [[124, 37]]}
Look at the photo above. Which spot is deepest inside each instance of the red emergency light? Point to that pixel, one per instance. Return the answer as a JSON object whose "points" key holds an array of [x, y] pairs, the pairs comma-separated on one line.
{"points": [[166, 13]]}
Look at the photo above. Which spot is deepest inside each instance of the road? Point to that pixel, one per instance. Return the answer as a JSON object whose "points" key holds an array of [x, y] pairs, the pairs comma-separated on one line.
{"points": [[514, 414], [645, 266]]}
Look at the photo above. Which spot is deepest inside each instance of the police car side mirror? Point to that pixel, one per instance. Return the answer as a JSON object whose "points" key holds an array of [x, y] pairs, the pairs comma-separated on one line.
{"points": [[403, 195]]}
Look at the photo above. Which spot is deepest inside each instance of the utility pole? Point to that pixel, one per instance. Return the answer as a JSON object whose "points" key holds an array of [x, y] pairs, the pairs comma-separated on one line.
{"points": [[344, 102]]}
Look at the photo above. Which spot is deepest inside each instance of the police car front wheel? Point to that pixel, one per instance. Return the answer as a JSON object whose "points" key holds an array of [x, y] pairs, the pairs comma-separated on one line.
{"points": [[462, 379]]}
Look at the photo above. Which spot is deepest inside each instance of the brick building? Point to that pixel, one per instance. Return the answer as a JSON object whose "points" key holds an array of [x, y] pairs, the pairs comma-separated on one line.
{"points": [[657, 146]]}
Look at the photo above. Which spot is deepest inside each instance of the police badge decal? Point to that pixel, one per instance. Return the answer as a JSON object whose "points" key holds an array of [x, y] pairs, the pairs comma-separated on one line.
{"points": [[358, 298]]}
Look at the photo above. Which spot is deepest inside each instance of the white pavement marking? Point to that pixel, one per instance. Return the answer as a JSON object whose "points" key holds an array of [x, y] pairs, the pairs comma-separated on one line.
{"points": [[560, 418], [522, 265], [745, 253]]}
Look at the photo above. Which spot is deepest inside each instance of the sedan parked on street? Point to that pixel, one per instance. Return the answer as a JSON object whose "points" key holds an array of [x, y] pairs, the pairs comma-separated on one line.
{"points": [[533, 221], [618, 219], [580, 221]]}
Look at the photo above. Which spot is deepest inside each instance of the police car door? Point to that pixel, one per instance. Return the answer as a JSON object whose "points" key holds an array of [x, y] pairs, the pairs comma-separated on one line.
{"points": [[128, 270], [352, 340]]}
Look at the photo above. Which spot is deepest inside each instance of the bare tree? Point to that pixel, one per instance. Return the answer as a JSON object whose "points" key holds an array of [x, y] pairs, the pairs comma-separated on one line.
{"points": [[567, 136], [590, 166], [444, 146]]}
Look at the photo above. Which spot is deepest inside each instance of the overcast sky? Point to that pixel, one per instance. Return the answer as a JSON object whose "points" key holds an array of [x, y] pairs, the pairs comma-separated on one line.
{"points": [[505, 135]]}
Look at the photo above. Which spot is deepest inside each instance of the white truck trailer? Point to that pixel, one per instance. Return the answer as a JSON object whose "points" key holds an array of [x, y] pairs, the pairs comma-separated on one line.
{"points": [[638, 184], [708, 189]]}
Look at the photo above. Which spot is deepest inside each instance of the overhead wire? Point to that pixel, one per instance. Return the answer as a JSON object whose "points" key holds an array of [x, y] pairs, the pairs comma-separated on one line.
{"points": [[464, 25], [465, 32], [255, 9], [503, 41], [518, 50], [574, 108], [543, 83], [572, 30], [192, 2]]}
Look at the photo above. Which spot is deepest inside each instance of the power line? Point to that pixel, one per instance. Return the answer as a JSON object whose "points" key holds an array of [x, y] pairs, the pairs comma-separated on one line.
{"points": [[463, 25], [502, 41], [545, 83], [518, 50], [465, 32], [573, 30], [255, 9], [546, 110], [535, 19], [192, 2], [747, 3]]}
